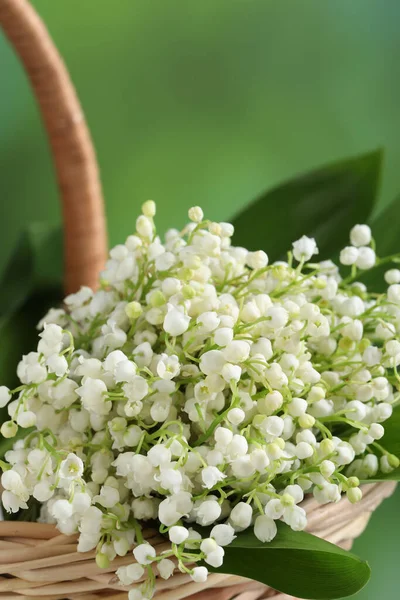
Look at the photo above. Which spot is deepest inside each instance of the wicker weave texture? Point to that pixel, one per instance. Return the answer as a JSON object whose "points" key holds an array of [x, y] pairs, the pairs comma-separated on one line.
{"points": [[37, 562]]}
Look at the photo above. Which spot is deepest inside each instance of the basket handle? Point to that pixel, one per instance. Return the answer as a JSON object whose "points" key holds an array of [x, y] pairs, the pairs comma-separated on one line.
{"points": [[85, 238]]}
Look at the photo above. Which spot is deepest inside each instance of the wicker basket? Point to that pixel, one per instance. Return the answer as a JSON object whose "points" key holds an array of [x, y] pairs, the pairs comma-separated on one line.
{"points": [[35, 559], [41, 563]]}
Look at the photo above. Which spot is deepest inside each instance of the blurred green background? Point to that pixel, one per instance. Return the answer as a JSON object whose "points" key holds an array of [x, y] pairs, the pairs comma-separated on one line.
{"points": [[210, 103]]}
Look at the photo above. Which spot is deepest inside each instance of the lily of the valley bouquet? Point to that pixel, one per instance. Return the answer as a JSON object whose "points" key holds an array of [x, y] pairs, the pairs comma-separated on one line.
{"points": [[204, 391]]}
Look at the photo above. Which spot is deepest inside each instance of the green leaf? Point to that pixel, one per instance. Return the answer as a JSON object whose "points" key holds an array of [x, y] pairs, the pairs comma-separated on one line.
{"points": [[386, 229], [30, 284], [324, 204], [298, 564], [386, 232], [391, 439], [391, 443], [35, 264]]}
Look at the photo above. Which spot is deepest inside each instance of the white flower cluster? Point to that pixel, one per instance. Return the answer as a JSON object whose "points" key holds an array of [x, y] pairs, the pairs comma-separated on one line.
{"points": [[202, 387]]}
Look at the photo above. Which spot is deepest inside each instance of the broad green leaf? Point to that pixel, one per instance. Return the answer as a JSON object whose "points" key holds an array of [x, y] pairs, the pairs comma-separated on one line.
{"points": [[18, 331], [35, 264], [386, 232], [324, 204], [391, 439], [298, 564], [391, 443], [386, 229], [30, 284]]}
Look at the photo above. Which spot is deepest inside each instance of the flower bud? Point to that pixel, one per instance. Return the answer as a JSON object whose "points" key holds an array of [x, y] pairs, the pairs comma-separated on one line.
{"points": [[231, 372], [353, 482], [133, 310], [297, 407], [354, 494], [102, 560], [223, 436], [236, 416], [26, 419], [199, 574], [366, 258], [178, 534], [9, 429], [327, 447], [270, 403], [306, 421], [360, 235], [304, 450], [348, 255], [241, 515], [144, 227], [188, 292], [149, 208], [393, 461], [346, 344], [287, 500], [223, 534], [327, 468], [257, 260], [195, 214], [274, 451], [392, 276], [376, 431], [208, 545], [185, 274]]}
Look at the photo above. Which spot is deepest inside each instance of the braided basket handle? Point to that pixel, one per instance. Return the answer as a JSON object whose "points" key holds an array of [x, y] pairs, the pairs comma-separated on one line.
{"points": [[85, 238]]}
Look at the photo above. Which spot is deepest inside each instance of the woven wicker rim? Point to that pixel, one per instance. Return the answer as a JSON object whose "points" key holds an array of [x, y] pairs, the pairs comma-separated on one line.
{"points": [[31, 554], [44, 564]]}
